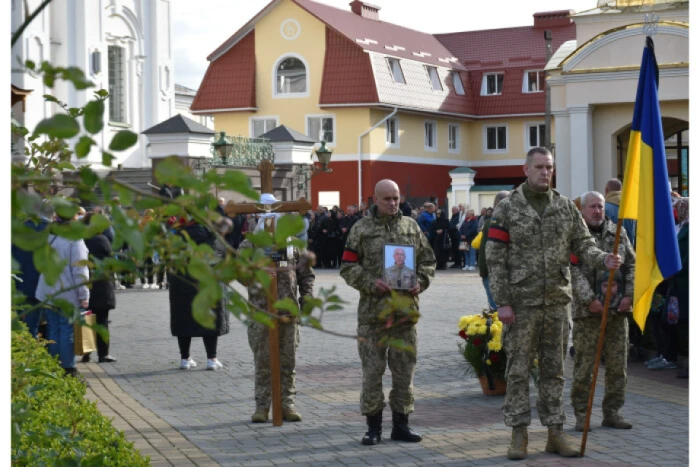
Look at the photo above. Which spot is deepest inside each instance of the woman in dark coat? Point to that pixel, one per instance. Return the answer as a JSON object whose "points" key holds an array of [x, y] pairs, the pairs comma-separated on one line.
{"points": [[182, 291], [439, 229], [101, 295]]}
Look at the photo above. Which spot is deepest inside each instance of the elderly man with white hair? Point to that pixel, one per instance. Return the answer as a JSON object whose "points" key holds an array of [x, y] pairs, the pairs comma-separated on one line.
{"points": [[589, 286]]}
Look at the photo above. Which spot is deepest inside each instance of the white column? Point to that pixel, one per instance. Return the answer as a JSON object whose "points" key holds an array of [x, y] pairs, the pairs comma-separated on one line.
{"points": [[562, 152], [581, 144]]}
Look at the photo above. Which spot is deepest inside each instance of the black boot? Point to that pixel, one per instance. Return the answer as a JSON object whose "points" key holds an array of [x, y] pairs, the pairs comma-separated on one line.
{"points": [[374, 432], [401, 431]]}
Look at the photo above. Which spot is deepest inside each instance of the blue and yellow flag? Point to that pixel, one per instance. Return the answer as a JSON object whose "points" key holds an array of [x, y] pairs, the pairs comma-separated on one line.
{"points": [[646, 196]]}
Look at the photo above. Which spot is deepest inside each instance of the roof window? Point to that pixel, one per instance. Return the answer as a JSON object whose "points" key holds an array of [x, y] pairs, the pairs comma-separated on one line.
{"points": [[396, 71]]}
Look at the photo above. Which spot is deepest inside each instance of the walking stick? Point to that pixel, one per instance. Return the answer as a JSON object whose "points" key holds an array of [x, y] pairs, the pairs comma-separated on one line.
{"points": [[601, 337]]}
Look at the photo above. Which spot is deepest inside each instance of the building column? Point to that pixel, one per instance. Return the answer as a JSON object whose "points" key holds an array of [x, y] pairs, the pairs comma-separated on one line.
{"points": [[581, 144], [562, 151]]}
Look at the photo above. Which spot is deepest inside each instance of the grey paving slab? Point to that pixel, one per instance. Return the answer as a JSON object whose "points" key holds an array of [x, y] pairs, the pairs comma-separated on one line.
{"points": [[461, 426]]}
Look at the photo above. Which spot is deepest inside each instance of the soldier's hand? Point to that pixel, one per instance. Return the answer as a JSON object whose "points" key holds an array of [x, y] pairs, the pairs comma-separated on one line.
{"points": [[439, 231], [415, 290], [596, 306], [506, 314], [381, 286], [613, 262], [625, 305]]}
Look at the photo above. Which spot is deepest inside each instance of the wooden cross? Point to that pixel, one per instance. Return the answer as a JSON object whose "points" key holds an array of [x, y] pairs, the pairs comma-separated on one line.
{"points": [[302, 206]]}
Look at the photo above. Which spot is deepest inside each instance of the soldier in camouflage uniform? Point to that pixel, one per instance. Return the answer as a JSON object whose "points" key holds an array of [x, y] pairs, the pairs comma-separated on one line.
{"points": [[298, 274], [531, 236], [400, 276], [363, 265], [587, 308]]}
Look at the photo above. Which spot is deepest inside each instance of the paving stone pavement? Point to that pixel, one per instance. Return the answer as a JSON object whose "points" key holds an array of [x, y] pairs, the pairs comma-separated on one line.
{"points": [[200, 417]]}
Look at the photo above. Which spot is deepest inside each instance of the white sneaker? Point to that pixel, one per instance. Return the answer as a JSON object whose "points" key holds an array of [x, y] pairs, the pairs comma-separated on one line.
{"points": [[187, 364], [465, 268], [471, 268], [120, 286], [154, 286], [213, 365]]}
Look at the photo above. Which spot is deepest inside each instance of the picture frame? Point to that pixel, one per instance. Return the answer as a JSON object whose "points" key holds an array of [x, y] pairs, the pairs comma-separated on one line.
{"points": [[400, 266], [618, 291]]}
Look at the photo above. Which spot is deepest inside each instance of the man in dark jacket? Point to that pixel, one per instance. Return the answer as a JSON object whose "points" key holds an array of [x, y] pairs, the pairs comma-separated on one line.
{"points": [[455, 237], [483, 269], [405, 206], [28, 277]]}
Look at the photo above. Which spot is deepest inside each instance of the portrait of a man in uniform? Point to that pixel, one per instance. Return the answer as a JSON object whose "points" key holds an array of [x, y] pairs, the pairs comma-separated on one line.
{"points": [[399, 269]]}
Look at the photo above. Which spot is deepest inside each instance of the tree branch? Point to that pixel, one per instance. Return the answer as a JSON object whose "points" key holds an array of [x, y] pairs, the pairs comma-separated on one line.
{"points": [[18, 33]]}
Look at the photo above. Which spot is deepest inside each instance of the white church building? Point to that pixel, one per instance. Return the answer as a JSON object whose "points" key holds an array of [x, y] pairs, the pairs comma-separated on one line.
{"points": [[124, 46]]}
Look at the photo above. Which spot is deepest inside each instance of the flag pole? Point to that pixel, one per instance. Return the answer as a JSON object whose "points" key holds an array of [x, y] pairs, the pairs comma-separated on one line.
{"points": [[601, 337]]}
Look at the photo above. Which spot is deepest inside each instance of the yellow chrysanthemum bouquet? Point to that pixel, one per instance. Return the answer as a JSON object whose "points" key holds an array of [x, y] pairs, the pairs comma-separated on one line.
{"points": [[482, 346]]}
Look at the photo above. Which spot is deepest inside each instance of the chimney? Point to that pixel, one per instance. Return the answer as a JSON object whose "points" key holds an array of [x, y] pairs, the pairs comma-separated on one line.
{"points": [[364, 9], [552, 19]]}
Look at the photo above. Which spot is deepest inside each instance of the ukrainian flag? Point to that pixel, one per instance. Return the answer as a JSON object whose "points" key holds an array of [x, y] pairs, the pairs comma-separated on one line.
{"points": [[645, 193]]}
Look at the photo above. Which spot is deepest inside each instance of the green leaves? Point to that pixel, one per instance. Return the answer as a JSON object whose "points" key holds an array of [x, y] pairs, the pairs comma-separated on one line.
{"points": [[93, 116], [288, 226], [171, 170], [123, 140], [48, 263], [238, 181], [287, 304], [27, 238], [58, 126]]}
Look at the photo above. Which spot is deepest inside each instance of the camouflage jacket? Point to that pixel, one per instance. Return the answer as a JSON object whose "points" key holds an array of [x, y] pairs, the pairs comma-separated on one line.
{"points": [[528, 255], [363, 259], [400, 277], [299, 273], [586, 279]]}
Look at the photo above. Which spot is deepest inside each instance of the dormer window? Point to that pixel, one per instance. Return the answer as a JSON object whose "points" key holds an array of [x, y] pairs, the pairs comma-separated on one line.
{"points": [[457, 83], [291, 77], [492, 84], [434, 78], [396, 72], [533, 81]]}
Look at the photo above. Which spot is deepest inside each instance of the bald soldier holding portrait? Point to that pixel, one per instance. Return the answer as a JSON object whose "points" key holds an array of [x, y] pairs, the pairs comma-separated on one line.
{"points": [[362, 269]]}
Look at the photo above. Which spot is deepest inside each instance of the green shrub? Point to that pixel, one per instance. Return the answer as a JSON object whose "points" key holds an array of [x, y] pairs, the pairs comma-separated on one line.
{"points": [[52, 423]]}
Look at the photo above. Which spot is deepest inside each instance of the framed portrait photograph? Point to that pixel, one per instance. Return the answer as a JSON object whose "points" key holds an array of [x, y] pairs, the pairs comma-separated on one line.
{"points": [[399, 266], [618, 288]]}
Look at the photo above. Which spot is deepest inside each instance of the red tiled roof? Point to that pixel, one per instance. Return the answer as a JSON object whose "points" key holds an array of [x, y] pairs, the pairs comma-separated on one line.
{"points": [[229, 82], [511, 51], [347, 72], [384, 34], [503, 48]]}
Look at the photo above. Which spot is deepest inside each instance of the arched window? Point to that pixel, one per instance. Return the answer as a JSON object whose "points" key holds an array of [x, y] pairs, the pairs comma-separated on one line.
{"points": [[291, 77]]}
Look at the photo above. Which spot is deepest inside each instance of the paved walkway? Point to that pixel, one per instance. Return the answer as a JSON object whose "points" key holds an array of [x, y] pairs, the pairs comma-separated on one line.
{"points": [[203, 417]]}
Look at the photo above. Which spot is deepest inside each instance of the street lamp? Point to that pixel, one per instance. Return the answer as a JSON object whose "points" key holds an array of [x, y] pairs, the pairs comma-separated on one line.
{"points": [[223, 147], [308, 172]]}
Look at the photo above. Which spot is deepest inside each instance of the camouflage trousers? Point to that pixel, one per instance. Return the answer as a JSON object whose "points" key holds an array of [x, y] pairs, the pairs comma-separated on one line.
{"points": [[536, 333], [402, 363], [615, 349], [258, 338]]}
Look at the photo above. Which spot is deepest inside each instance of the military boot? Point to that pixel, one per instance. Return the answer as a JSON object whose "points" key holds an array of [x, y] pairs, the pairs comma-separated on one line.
{"points": [[374, 432], [559, 443], [401, 431], [616, 421], [518, 443], [260, 415], [290, 414]]}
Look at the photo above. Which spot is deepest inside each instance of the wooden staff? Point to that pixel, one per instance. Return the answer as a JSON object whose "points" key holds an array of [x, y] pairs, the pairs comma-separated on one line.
{"points": [[601, 337]]}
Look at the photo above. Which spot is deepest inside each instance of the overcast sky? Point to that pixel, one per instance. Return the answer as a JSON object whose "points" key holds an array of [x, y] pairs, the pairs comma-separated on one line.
{"points": [[200, 26]]}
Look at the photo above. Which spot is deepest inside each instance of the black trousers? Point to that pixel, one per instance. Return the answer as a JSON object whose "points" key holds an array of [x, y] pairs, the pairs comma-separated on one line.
{"points": [[102, 318], [209, 345]]}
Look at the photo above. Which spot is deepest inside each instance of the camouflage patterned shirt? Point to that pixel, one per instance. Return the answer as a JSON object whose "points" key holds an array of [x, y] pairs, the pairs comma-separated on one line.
{"points": [[586, 279], [298, 273], [528, 255]]}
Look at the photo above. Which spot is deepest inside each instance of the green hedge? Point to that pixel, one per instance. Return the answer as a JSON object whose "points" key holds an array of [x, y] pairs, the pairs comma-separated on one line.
{"points": [[52, 422]]}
